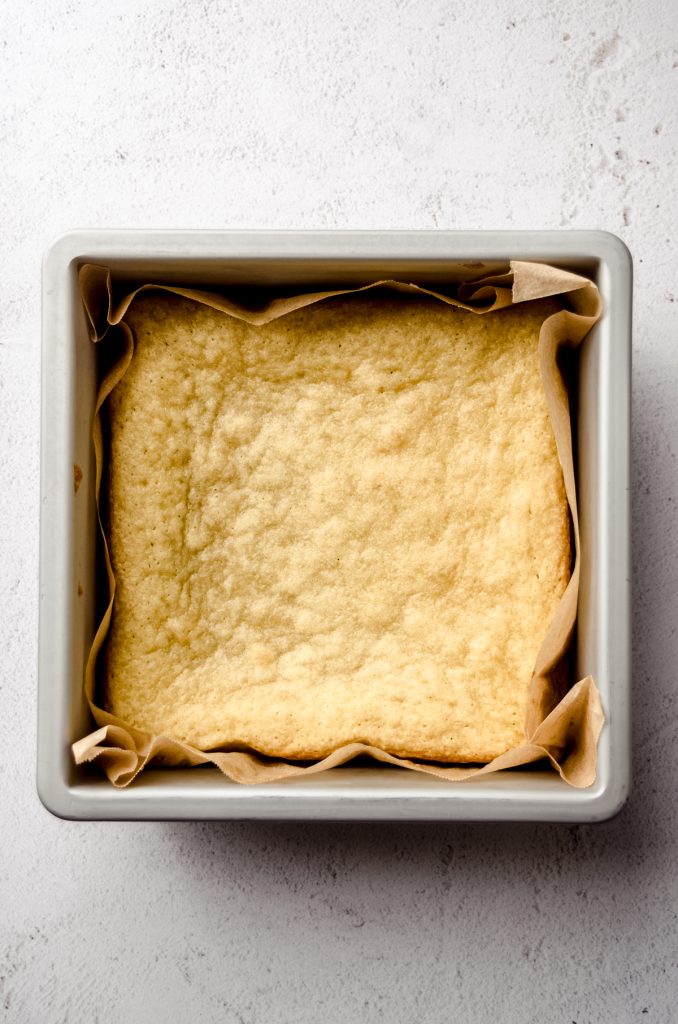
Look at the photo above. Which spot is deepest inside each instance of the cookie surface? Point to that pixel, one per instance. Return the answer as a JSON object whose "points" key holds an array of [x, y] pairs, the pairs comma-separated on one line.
{"points": [[347, 525]]}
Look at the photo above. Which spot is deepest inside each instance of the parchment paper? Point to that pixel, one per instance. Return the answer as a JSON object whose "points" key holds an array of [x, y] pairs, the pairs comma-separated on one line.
{"points": [[563, 729]]}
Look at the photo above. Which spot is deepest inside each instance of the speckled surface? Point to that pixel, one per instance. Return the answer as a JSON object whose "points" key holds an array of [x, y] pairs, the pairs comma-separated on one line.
{"points": [[401, 114]]}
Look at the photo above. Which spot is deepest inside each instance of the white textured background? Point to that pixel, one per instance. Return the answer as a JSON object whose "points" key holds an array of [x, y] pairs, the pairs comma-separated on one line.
{"points": [[345, 114]]}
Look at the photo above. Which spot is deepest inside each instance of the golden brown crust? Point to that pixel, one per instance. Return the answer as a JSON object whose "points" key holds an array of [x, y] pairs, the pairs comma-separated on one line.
{"points": [[348, 525]]}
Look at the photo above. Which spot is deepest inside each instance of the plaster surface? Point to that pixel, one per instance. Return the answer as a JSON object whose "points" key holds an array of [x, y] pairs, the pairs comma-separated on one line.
{"points": [[401, 115]]}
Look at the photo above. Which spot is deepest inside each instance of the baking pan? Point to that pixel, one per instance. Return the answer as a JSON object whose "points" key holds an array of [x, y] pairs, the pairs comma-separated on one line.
{"points": [[301, 261]]}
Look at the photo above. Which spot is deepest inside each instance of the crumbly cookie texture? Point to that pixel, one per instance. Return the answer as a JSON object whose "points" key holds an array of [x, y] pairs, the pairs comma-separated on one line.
{"points": [[347, 525]]}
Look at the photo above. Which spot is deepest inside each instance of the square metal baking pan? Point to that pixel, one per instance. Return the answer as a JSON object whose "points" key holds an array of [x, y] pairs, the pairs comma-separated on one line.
{"points": [[305, 261]]}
